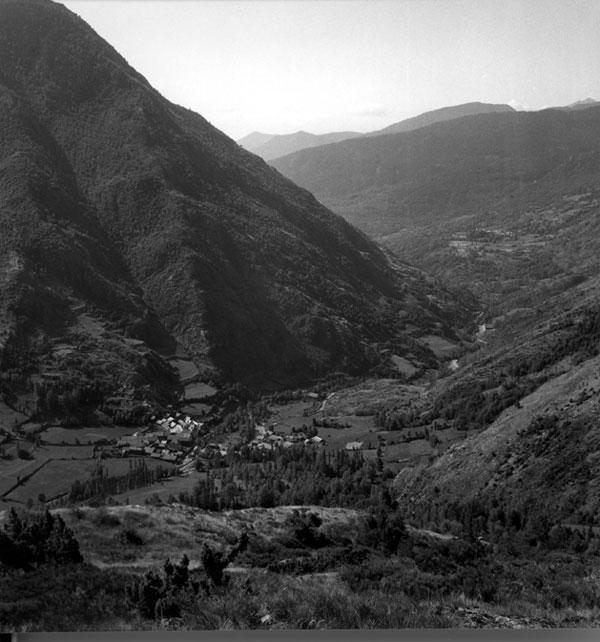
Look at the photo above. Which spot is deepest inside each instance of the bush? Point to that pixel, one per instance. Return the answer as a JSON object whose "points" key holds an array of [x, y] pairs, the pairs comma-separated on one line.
{"points": [[304, 527], [130, 536], [102, 517]]}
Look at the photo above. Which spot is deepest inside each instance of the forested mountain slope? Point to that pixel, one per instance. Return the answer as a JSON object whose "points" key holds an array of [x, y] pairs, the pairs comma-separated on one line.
{"points": [[128, 219], [451, 169], [534, 463], [503, 204]]}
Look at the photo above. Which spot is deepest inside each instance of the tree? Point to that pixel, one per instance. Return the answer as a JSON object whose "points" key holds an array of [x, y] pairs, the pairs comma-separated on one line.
{"points": [[215, 562], [31, 540], [384, 528], [163, 595], [305, 528]]}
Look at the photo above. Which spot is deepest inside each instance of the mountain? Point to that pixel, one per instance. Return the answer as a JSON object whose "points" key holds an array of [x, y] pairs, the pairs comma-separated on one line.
{"points": [[582, 104], [273, 146], [441, 115], [498, 203], [533, 463], [132, 230], [253, 140], [506, 205], [386, 183]]}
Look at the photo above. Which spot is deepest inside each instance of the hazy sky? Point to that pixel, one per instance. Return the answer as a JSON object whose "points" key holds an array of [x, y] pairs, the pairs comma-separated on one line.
{"points": [[278, 66]]}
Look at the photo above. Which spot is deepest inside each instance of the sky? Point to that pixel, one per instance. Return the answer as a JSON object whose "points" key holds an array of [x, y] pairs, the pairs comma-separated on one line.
{"points": [[280, 66]]}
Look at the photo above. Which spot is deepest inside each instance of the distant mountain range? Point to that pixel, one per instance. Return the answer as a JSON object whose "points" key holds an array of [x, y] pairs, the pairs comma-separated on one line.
{"points": [[582, 104], [271, 146], [493, 202], [450, 169], [131, 228], [442, 115]]}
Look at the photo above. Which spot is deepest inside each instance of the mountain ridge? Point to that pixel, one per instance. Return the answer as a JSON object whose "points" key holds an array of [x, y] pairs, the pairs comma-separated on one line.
{"points": [[387, 175], [441, 115], [273, 146]]}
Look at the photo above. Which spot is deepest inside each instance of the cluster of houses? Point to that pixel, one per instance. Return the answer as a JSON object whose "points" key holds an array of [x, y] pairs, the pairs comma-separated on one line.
{"points": [[267, 439], [169, 439], [212, 450]]}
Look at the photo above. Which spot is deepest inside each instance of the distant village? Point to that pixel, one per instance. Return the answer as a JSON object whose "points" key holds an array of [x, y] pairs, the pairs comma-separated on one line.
{"points": [[176, 437], [268, 438], [169, 439]]}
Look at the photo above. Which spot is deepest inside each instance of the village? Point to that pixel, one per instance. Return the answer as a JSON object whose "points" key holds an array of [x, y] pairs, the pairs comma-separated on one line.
{"points": [[178, 437], [268, 438], [169, 439]]}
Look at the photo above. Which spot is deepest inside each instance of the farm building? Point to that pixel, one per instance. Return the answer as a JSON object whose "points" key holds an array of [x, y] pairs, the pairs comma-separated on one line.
{"points": [[354, 445]]}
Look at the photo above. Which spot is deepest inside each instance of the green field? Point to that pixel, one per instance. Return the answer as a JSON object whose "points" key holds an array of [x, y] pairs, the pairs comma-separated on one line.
{"points": [[369, 396], [163, 489], [64, 466], [54, 479], [59, 435], [198, 391], [120, 465], [187, 369], [342, 406], [8, 417], [196, 409], [10, 469], [64, 452], [288, 416]]}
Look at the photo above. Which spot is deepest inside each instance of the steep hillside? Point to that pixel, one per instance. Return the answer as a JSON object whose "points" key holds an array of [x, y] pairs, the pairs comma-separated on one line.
{"points": [[133, 218], [533, 400], [72, 319]]}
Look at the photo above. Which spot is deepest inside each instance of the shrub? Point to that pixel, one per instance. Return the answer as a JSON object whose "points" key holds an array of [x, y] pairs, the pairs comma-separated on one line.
{"points": [[304, 527], [130, 536], [102, 517]]}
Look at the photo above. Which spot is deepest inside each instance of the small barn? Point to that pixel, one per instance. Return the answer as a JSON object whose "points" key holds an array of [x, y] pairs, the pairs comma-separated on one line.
{"points": [[354, 445]]}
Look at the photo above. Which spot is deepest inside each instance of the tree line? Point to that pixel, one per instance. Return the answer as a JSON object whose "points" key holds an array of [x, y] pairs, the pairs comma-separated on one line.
{"points": [[101, 484], [297, 475]]}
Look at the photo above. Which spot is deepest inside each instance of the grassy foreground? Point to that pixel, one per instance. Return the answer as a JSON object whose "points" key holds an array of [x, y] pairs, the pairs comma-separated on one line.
{"points": [[316, 568]]}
